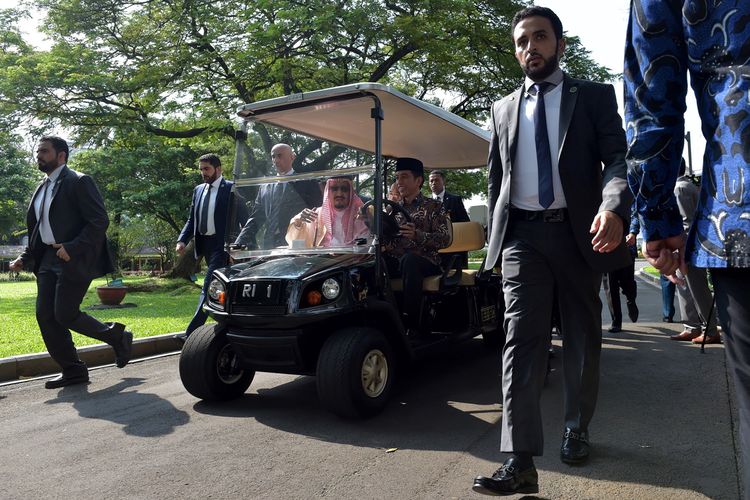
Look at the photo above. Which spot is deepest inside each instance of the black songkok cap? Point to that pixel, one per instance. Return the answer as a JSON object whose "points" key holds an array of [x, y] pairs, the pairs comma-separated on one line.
{"points": [[412, 164]]}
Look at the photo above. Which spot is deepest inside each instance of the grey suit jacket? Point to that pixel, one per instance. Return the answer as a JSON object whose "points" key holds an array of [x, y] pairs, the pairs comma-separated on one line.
{"points": [[79, 221], [591, 162]]}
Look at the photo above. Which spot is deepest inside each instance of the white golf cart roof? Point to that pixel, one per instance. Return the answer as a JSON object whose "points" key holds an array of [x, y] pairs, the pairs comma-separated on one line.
{"points": [[410, 127]]}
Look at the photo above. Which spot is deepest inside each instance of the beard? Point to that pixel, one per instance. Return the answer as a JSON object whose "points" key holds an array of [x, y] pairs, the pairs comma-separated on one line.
{"points": [[46, 167], [540, 73]]}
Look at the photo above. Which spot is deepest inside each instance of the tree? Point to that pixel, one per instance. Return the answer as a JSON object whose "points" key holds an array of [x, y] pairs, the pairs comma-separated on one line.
{"points": [[19, 178], [178, 69]]}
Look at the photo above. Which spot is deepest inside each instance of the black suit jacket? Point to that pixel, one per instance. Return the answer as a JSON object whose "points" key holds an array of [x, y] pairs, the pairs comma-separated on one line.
{"points": [[591, 162], [79, 222], [296, 195], [454, 205], [224, 199]]}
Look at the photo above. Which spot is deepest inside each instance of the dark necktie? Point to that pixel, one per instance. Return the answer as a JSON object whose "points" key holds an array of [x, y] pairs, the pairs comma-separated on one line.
{"points": [[543, 158], [204, 210], [44, 201]]}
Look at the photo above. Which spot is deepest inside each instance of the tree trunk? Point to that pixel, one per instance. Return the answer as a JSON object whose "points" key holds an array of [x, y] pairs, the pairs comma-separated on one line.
{"points": [[185, 265]]}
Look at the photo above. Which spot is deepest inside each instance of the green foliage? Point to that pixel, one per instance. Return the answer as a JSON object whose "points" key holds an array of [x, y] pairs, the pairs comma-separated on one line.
{"points": [[159, 310], [19, 179]]}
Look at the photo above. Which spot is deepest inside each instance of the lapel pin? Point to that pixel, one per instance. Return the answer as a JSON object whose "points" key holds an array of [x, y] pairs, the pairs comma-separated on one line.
{"points": [[573, 90]]}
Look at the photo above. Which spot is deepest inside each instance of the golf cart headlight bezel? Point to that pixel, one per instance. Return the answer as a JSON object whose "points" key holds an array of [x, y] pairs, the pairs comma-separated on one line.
{"points": [[331, 289], [217, 291]]}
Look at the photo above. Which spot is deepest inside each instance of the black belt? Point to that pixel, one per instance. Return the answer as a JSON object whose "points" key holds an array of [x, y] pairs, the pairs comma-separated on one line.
{"points": [[551, 215]]}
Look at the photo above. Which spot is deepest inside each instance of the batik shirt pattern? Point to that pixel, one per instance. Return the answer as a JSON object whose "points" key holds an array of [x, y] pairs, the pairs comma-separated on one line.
{"points": [[710, 39], [429, 218]]}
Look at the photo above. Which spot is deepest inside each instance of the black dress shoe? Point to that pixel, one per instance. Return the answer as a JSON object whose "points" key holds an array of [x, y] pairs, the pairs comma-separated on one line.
{"points": [[633, 311], [667, 320], [615, 329], [61, 381], [575, 447], [123, 346], [508, 480]]}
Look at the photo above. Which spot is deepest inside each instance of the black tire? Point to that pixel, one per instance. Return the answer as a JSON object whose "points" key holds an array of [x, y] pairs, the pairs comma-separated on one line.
{"points": [[209, 366], [356, 372]]}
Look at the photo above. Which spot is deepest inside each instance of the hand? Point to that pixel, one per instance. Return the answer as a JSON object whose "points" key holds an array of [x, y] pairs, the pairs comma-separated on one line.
{"points": [[668, 256], [61, 253], [308, 215], [607, 230], [17, 265], [408, 230], [630, 240], [180, 248]]}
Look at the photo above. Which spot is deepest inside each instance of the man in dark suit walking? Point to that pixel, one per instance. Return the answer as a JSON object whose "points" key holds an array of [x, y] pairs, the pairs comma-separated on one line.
{"points": [[558, 204], [67, 249], [207, 223], [276, 204]]}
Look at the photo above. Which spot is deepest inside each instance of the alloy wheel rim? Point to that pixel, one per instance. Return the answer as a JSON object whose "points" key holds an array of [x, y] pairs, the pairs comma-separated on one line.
{"points": [[374, 373], [227, 366]]}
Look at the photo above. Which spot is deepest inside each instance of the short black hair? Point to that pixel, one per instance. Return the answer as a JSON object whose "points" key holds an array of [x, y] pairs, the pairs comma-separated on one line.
{"points": [[438, 172], [58, 144], [211, 158], [541, 12]]}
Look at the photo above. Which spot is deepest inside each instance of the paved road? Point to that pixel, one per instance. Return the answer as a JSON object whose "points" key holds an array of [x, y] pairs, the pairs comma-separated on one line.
{"points": [[662, 430]]}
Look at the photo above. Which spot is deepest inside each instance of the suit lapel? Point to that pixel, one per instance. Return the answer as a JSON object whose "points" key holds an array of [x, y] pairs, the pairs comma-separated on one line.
{"points": [[56, 186], [511, 117], [567, 106]]}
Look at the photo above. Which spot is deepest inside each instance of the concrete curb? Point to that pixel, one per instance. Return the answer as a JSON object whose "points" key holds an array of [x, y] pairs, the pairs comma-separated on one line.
{"points": [[34, 365], [648, 278]]}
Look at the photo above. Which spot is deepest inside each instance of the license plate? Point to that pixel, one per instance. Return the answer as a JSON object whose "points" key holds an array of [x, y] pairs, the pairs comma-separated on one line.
{"points": [[258, 293]]}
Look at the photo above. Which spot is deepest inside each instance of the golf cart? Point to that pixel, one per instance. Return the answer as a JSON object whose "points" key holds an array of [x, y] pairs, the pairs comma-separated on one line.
{"points": [[287, 306]]}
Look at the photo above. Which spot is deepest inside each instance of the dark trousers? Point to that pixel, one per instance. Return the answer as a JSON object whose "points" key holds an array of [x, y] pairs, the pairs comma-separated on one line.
{"points": [[538, 259], [667, 297], [58, 311], [412, 269], [621, 279], [733, 305], [216, 259]]}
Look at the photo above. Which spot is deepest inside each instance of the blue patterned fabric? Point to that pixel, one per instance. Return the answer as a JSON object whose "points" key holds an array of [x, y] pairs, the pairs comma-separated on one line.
{"points": [[710, 40]]}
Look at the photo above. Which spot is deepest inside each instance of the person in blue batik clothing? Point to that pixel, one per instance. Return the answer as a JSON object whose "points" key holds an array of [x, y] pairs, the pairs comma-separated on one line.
{"points": [[711, 41]]}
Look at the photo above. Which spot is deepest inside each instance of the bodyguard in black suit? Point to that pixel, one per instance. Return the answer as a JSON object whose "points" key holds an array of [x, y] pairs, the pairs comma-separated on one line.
{"points": [[207, 223], [558, 204], [67, 249], [276, 204], [453, 204]]}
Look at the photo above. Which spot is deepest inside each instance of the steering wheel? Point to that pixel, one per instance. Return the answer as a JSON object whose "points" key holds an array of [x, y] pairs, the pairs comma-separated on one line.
{"points": [[389, 221]]}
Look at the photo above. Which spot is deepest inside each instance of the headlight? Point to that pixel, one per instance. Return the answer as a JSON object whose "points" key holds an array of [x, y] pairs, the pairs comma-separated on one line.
{"points": [[217, 291], [330, 289]]}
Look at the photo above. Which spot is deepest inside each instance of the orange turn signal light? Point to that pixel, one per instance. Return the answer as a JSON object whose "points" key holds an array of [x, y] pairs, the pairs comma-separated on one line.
{"points": [[314, 297], [222, 297]]}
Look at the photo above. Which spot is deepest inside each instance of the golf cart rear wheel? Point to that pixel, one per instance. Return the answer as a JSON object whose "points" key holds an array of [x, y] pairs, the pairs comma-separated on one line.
{"points": [[209, 366], [356, 371]]}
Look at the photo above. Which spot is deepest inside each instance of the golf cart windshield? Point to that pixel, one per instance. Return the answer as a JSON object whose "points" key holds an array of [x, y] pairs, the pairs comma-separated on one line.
{"points": [[360, 126]]}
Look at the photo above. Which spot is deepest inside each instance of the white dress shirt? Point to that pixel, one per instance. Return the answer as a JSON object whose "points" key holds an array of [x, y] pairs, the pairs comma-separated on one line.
{"points": [[524, 187], [440, 196], [211, 230], [42, 204]]}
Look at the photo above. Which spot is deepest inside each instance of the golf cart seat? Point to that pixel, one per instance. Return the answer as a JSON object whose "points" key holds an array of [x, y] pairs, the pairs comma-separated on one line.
{"points": [[467, 236]]}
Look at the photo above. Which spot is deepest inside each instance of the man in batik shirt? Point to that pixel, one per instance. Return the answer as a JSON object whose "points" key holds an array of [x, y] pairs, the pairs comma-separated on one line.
{"points": [[413, 254], [711, 41]]}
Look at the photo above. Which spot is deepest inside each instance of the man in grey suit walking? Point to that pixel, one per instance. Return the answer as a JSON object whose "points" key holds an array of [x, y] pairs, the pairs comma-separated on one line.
{"points": [[558, 203], [67, 248]]}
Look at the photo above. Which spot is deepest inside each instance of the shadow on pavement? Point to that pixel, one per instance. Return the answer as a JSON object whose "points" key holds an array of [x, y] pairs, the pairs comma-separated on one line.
{"points": [[662, 414], [115, 404]]}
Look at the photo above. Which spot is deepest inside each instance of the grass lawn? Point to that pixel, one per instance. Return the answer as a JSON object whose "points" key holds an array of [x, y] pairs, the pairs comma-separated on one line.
{"points": [[166, 309]]}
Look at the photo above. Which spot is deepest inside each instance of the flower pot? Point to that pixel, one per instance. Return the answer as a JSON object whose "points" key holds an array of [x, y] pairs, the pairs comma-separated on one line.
{"points": [[111, 295]]}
